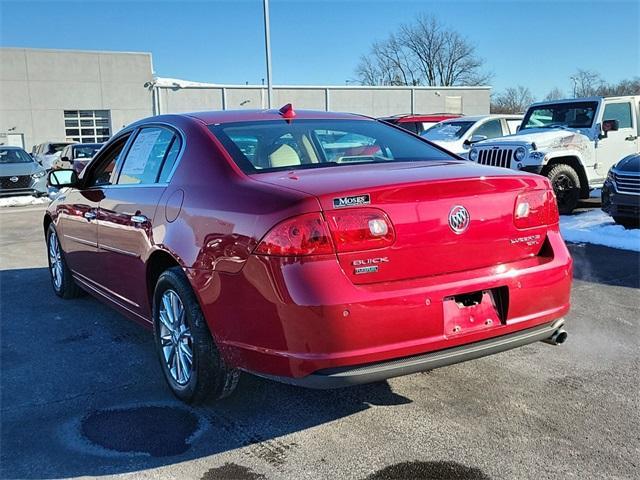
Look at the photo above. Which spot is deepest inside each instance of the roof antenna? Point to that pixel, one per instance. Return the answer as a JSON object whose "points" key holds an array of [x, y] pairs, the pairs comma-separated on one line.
{"points": [[287, 112]]}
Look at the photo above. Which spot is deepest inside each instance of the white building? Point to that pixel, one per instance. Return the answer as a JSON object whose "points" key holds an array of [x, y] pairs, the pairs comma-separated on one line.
{"points": [[56, 95]]}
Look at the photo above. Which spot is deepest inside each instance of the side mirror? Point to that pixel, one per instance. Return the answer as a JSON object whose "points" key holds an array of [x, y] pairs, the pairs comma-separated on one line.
{"points": [[610, 126], [65, 159], [63, 178], [474, 139]]}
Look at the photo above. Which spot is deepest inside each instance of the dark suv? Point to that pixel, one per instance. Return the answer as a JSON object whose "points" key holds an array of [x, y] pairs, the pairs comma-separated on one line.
{"points": [[621, 191]]}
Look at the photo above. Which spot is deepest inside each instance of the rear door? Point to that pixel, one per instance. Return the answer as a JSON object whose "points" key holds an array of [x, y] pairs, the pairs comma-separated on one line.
{"points": [[128, 211]]}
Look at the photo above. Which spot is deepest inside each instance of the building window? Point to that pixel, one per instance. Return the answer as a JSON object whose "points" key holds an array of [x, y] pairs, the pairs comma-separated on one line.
{"points": [[87, 126]]}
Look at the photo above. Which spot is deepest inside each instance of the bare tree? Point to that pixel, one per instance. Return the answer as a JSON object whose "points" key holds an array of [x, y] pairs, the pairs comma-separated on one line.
{"points": [[586, 83], [554, 94], [512, 100], [630, 86], [425, 52]]}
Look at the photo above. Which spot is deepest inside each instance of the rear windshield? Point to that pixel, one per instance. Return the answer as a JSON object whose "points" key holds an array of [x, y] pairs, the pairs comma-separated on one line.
{"points": [[56, 147], [87, 151], [280, 145], [14, 155], [447, 131]]}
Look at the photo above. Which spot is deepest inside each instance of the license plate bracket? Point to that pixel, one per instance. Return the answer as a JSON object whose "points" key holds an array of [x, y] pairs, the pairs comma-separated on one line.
{"points": [[474, 311]]}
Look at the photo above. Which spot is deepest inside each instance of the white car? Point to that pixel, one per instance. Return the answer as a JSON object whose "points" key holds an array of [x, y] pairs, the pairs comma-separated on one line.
{"points": [[458, 134], [48, 152], [573, 142]]}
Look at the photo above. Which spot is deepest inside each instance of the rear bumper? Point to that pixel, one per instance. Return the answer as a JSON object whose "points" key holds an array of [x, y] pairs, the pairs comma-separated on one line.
{"points": [[375, 372], [290, 318]]}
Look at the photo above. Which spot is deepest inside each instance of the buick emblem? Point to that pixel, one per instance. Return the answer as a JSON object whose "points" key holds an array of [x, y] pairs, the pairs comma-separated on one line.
{"points": [[459, 219], [13, 179]]}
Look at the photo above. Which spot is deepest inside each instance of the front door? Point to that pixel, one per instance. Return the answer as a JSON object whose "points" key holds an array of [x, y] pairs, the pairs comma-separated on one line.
{"points": [[621, 143], [78, 229], [78, 216], [127, 216]]}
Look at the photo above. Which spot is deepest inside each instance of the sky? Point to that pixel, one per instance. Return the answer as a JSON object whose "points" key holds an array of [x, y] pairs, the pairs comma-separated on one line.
{"points": [[538, 44]]}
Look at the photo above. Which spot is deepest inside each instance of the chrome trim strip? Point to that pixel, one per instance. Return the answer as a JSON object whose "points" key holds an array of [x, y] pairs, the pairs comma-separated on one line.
{"points": [[80, 240], [97, 286], [626, 183], [117, 250]]}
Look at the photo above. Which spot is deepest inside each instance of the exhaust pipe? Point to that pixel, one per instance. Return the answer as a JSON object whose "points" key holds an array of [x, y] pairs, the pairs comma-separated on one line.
{"points": [[558, 337]]}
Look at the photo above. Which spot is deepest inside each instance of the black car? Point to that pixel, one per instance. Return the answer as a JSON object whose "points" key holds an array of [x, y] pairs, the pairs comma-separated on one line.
{"points": [[621, 191]]}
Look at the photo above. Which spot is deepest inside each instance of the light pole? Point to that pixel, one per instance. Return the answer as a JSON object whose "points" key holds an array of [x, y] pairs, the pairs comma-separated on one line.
{"points": [[267, 46]]}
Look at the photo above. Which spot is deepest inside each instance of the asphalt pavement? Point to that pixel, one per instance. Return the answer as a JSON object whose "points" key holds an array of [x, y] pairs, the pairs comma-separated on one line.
{"points": [[82, 394]]}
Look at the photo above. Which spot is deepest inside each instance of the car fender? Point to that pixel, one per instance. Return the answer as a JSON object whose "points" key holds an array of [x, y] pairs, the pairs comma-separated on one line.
{"points": [[553, 155]]}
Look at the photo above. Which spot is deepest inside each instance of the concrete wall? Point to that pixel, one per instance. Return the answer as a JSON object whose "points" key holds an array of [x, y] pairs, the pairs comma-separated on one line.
{"points": [[36, 86], [373, 101]]}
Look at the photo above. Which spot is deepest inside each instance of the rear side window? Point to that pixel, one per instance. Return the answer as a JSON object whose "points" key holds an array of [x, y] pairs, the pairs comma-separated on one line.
{"points": [[170, 160], [145, 157], [620, 112], [411, 126], [491, 129]]}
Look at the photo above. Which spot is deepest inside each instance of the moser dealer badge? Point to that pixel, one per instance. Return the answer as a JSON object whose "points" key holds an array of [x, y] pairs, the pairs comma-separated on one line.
{"points": [[352, 201]]}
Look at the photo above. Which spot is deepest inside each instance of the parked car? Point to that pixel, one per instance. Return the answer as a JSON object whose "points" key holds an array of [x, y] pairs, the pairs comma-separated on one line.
{"points": [[321, 268], [76, 156], [572, 142], [458, 134], [48, 152], [621, 191], [417, 123], [20, 174]]}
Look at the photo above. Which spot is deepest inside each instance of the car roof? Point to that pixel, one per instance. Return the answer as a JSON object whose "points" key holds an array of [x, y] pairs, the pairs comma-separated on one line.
{"points": [[11, 147], [583, 99], [232, 116], [477, 118], [421, 117]]}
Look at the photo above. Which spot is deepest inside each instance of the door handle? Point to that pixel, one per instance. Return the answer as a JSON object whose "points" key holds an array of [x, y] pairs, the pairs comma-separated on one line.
{"points": [[631, 138], [139, 219], [90, 215]]}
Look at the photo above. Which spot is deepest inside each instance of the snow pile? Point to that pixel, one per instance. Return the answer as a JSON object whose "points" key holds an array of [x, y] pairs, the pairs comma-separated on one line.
{"points": [[179, 83], [598, 228], [22, 201]]}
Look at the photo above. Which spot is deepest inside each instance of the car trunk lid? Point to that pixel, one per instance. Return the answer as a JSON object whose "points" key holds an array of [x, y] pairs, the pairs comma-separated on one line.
{"points": [[419, 199]]}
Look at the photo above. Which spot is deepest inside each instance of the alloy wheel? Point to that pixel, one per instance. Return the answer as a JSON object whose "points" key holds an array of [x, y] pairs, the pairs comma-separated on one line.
{"points": [[175, 337], [55, 260]]}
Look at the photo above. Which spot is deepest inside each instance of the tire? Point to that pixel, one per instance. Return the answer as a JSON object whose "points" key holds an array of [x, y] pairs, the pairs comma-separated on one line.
{"points": [[627, 222], [566, 185], [61, 279], [176, 334]]}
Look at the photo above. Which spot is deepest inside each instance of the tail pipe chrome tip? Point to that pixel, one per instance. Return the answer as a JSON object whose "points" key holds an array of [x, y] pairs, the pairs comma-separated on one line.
{"points": [[557, 338]]}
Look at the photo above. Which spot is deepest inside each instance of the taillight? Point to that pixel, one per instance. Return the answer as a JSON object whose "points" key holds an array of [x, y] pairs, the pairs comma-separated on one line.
{"points": [[531, 209], [303, 235], [552, 206], [360, 229]]}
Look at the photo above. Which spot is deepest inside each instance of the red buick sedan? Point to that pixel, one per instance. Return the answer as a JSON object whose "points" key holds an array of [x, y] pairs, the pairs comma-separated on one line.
{"points": [[314, 248]]}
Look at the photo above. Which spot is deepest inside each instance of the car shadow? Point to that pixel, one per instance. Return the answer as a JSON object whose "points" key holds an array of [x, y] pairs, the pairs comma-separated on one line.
{"points": [[604, 265], [81, 393]]}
